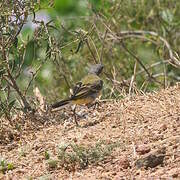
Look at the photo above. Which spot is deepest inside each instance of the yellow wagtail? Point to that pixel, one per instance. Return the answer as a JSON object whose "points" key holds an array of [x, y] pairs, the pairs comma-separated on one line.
{"points": [[86, 91]]}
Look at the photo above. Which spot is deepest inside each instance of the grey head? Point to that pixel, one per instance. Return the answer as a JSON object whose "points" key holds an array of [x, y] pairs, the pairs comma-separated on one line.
{"points": [[96, 69]]}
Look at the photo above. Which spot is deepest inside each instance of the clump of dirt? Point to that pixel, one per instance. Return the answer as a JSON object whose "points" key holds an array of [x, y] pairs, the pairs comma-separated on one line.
{"points": [[120, 139]]}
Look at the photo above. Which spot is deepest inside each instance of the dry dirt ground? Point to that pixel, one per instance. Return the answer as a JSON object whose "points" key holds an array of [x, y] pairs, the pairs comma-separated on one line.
{"points": [[115, 136]]}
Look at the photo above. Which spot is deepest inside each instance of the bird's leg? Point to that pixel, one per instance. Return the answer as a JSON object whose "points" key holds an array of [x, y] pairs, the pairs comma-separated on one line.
{"points": [[94, 105], [74, 113]]}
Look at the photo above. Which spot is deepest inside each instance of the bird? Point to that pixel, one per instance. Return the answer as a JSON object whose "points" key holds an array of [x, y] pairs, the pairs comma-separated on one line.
{"points": [[85, 91]]}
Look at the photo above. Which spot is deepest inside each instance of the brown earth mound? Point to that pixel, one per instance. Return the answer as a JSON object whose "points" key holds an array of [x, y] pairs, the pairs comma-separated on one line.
{"points": [[131, 138]]}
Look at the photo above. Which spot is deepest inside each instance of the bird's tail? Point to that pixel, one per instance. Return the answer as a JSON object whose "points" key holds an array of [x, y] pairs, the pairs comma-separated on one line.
{"points": [[60, 103]]}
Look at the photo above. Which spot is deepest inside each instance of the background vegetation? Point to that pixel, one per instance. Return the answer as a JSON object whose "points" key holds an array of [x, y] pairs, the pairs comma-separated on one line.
{"points": [[50, 44]]}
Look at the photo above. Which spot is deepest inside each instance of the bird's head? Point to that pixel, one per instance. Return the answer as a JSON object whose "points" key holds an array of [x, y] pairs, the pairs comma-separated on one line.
{"points": [[96, 69]]}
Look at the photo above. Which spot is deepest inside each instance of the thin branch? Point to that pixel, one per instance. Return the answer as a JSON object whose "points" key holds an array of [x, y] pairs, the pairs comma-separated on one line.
{"points": [[21, 64], [13, 83], [12, 39], [165, 75], [153, 65], [91, 51], [127, 34], [94, 48], [139, 61], [102, 49], [133, 78], [107, 28]]}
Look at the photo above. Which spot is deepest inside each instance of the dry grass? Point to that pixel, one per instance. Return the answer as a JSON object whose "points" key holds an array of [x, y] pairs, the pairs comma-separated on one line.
{"points": [[131, 126]]}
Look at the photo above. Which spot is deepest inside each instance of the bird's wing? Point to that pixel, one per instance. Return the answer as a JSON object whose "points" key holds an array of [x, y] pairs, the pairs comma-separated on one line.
{"points": [[83, 90], [76, 88]]}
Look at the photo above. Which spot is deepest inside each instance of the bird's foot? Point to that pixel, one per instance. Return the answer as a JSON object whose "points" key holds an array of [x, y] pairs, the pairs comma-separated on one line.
{"points": [[78, 115], [94, 105]]}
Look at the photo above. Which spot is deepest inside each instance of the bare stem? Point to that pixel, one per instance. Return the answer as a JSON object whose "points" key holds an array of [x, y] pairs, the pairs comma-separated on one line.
{"points": [[142, 34], [13, 83], [139, 61], [91, 51]]}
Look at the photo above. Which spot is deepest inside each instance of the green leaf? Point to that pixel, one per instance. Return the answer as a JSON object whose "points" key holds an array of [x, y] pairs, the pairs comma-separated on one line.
{"points": [[2, 163], [10, 166], [11, 104], [167, 16], [47, 155], [65, 6], [2, 71], [15, 42]]}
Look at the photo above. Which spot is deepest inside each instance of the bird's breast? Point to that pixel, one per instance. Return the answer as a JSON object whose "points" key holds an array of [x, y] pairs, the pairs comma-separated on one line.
{"points": [[86, 100]]}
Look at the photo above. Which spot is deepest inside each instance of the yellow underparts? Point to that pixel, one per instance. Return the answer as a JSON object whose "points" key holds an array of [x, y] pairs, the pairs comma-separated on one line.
{"points": [[87, 100]]}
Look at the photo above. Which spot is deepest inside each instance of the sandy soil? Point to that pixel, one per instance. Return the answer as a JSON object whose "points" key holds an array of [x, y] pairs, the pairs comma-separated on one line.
{"points": [[137, 126]]}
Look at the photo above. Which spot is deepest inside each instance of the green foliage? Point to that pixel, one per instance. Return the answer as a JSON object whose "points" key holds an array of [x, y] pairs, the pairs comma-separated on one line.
{"points": [[45, 177], [66, 6], [23, 151], [52, 163], [49, 48], [5, 108], [74, 155], [47, 155], [5, 166]]}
